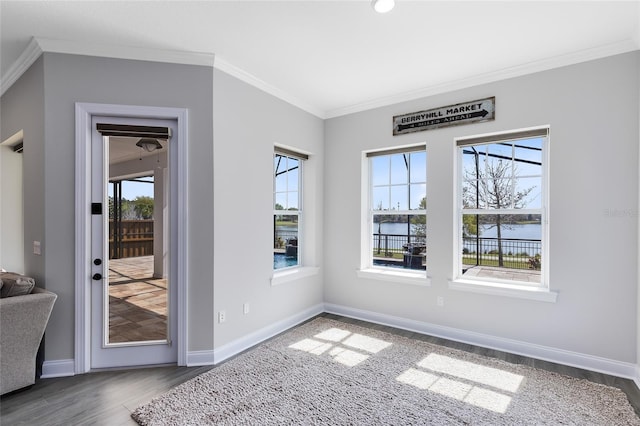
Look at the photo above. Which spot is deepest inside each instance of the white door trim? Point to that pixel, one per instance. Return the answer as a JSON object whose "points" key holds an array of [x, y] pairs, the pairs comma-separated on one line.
{"points": [[83, 114]]}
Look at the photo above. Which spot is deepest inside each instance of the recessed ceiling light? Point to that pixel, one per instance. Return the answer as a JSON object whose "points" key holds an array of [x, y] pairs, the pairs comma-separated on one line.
{"points": [[383, 6]]}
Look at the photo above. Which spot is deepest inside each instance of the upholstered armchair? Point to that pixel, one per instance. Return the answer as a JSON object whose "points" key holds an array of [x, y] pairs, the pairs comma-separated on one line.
{"points": [[23, 319]]}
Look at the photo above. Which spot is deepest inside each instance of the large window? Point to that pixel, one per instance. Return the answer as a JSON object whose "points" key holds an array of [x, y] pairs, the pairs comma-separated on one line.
{"points": [[502, 202], [398, 208], [287, 207]]}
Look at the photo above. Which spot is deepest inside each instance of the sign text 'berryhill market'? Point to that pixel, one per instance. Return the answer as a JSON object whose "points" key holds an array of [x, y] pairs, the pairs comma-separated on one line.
{"points": [[453, 115]]}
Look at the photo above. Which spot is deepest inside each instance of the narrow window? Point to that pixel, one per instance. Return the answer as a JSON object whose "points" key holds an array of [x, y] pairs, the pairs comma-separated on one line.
{"points": [[502, 201], [287, 207], [398, 208]]}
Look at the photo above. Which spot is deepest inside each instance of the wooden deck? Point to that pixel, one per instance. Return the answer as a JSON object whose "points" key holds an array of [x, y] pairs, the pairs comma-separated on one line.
{"points": [[137, 301]]}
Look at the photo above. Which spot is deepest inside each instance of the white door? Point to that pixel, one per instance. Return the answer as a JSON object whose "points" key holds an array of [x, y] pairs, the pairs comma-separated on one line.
{"points": [[133, 268]]}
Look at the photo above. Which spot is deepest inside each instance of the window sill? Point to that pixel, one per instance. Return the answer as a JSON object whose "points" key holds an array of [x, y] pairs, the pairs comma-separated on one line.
{"points": [[504, 289], [293, 274], [406, 277]]}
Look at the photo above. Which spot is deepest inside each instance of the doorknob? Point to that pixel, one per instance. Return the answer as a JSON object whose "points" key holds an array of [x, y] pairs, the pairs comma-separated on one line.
{"points": [[97, 262], [97, 277]]}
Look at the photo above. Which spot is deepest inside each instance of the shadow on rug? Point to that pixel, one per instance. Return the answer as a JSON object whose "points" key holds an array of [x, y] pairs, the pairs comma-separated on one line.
{"points": [[331, 373]]}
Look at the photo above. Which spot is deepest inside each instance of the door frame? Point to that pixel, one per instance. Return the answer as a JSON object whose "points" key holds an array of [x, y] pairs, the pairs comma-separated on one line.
{"points": [[179, 165]]}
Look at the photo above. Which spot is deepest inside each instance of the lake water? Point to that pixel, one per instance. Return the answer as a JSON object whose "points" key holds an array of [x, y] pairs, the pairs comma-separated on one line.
{"points": [[529, 231]]}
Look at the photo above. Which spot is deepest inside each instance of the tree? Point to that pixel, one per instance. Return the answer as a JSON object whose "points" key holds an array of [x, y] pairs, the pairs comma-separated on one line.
{"points": [[128, 210], [492, 186], [143, 206], [419, 222], [469, 226], [111, 206]]}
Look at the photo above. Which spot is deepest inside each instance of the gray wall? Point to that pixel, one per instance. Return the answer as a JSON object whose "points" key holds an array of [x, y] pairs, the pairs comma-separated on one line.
{"points": [[248, 122], [22, 108], [592, 109], [72, 78]]}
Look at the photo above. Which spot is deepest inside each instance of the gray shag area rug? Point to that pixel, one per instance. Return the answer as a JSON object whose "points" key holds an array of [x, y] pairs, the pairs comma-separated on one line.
{"points": [[331, 373]]}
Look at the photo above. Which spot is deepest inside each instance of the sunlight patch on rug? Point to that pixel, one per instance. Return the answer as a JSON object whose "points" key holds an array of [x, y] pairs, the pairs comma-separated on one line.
{"points": [[333, 334], [357, 350], [494, 377], [312, 346], [366, 343], [475, 384], [470, 394], [347, 357]]}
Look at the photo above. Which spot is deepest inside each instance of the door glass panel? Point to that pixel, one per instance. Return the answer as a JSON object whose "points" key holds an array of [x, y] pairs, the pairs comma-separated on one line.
{"points": [[137, 281]]}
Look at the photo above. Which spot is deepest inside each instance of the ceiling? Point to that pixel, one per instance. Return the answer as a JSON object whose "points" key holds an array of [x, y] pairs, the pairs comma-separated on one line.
{"points": [[123, 149], [336, 57]]}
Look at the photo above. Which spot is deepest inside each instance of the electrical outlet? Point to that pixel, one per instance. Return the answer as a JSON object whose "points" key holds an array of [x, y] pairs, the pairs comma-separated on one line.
{"points": [[245, 308], [440, 301], [222, 316]]}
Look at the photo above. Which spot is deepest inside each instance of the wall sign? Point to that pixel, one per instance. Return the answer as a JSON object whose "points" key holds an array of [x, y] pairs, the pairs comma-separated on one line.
{"points": [[453, 115]]}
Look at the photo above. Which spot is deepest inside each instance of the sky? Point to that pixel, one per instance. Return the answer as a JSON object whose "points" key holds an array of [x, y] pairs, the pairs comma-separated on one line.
{"points": [[131, 190]]}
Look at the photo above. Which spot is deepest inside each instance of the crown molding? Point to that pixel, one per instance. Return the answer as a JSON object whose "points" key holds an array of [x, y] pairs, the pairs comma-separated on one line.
{"points": [[39, 45], [75, 47], [624, 46], [20, 66], [252, 80]]}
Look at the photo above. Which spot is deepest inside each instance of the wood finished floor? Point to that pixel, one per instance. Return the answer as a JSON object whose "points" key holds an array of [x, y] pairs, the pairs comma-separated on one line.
{"points": [[108, 397]]}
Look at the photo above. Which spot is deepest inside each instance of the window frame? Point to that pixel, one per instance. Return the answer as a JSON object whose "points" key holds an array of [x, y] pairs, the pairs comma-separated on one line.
{"points": [[513, 288], [300, 158], [367, 268]]}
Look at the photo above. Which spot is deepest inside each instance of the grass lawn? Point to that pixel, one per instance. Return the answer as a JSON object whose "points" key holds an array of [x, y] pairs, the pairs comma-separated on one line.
{"points": [[512, 262], [389, 255]]}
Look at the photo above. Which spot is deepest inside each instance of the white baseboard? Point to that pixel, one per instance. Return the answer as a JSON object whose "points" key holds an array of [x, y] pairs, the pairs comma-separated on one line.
{"points": [[252, 339], [58, 368], [560, 356], [198, 358], [66, 367]]}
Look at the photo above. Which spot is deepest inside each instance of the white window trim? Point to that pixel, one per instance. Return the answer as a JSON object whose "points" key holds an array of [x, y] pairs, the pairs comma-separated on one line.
{"points": [[367, 270], [299, 271], [395, 275], [516, 289], [285, 275], [301, 157], [507, 289]]}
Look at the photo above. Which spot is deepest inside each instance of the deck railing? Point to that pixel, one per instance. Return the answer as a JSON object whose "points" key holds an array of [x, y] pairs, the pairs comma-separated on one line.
{"points": [[512, 253], [390, 244], [516, 253]]}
